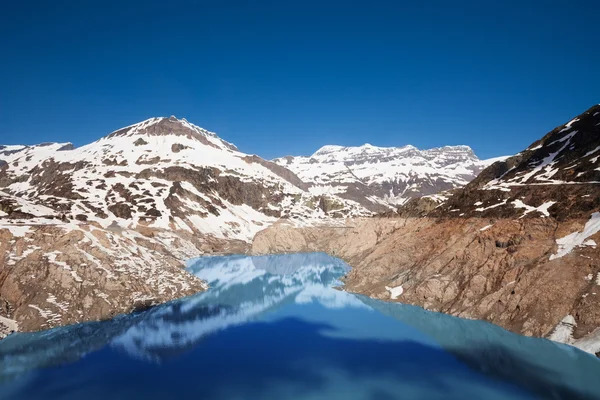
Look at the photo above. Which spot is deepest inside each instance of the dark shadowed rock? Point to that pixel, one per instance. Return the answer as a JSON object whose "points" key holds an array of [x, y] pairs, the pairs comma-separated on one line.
{"points": [[177, 147], [67, 147], [121, 210], [140, 142]]}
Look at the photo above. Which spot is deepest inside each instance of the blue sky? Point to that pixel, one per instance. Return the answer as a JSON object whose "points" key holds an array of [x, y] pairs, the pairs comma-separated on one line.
{"points": [[286, 77]]}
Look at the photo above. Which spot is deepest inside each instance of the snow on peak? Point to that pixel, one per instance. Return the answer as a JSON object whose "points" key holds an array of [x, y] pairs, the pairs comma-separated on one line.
{"points": [[173, 127], [328, 149], [161, 126], [352, 150], [132, 129], [368, 153], [10, 152], [393, 174]]}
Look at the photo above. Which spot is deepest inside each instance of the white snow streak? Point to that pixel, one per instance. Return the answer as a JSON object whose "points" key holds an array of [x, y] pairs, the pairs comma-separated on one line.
{"points": [[575, 239]]}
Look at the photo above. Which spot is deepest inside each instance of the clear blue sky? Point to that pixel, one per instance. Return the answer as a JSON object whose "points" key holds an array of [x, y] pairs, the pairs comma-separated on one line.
{"points": [[286, 77]]}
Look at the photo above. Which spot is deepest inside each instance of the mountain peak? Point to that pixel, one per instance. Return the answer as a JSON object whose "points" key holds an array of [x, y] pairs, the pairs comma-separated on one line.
{"points": [[365, 148], [369, 149], [327, 149], [172, 126], [161, 126]]}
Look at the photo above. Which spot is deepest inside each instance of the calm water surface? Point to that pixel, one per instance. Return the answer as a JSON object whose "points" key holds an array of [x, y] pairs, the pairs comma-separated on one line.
{"points": [[273, 327]]}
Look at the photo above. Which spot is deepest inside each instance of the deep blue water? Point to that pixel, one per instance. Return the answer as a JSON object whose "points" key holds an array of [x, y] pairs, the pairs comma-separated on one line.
{"points": [[274, 327]]}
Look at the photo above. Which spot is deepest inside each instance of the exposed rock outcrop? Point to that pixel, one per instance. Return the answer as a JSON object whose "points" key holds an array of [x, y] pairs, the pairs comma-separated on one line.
{"points": [[516, 246], [499, 271], [99, 230], [91, 232]]}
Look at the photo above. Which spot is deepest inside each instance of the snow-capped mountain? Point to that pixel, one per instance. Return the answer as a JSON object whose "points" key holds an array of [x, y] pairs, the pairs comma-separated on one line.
{"points": [[556, 176], [102, 229], [517, 246], [163, 173], [377, 176]]}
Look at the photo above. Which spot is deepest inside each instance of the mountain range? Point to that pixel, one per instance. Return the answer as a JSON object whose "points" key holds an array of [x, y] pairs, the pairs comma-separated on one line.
{"points": [[103, 229], [376, 176], [516, 246]]}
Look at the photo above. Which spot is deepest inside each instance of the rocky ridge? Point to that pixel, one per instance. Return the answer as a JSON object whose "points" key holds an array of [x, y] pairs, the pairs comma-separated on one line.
{"points": [[517, 246], [380, 176], [128, 208], [94, 231], [135, 203]]}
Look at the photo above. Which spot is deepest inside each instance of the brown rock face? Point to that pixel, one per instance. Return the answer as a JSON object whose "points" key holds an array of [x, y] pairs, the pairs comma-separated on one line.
{"points": [[121, 210], [88, 233], [177, 147], [210, 180], [171, 126], [53, 179], [463, 267], [279, 171], [492, 250], [84, 274]]}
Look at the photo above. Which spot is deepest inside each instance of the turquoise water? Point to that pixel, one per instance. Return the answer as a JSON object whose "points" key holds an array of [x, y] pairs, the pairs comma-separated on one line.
{"points": [[274, 327]]}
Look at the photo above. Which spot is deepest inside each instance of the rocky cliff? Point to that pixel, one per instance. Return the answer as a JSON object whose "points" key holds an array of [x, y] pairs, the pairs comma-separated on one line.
{"points": [[516, 246]]}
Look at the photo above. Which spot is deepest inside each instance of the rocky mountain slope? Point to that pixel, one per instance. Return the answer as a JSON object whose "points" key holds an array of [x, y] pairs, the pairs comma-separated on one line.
{"points": [[558, 176], [163, 173], [99, 230], [379, 176], [517, 246], [102, 229]]}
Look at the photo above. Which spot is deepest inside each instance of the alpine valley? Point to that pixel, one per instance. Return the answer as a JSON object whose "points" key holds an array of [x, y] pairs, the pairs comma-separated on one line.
{"points": [[88, 233]]}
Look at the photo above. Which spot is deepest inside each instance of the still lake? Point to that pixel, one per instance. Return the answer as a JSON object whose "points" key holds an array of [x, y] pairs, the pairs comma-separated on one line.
{"points": [[274, 327]]}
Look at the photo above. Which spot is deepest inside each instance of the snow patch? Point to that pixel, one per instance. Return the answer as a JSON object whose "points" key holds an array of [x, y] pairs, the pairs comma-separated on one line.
{"points": [[490, 207], [563, 333], [578, 239], [11, 324], [395, 292], [16, 230], [589, 153], [543, 209]]}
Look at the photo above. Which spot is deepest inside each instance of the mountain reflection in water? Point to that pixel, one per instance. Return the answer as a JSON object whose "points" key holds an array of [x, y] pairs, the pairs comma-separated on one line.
{"points": [[273, 327]]}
